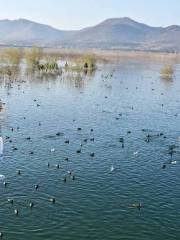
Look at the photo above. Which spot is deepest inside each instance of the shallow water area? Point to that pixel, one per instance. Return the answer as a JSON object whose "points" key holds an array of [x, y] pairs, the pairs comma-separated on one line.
{"points": [[92, 113]]}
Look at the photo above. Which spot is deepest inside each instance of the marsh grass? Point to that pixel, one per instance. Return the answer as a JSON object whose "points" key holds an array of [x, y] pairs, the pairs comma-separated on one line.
{"points": [[33, 56], [48, 64], [10, 71], [11, 56], [166, 72], [85, 62]]}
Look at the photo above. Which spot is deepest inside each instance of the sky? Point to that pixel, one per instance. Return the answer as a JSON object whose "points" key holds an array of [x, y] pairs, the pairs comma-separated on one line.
{"points": [[77, 14]]}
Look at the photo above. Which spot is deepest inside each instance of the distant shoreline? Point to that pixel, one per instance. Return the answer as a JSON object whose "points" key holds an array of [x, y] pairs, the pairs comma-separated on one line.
{"points": [[107, 54], [110, 55]]}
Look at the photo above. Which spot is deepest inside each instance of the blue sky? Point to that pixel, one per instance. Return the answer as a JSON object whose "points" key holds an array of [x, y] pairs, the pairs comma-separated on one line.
{"points": [[76, 14]]}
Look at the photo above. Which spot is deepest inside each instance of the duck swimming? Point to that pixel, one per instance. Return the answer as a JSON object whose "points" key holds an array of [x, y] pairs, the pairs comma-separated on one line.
{"points": [[36, 186], [31, 205], [16, 212], [10, 200], [112, 169], [137, 205], [52, 200]]}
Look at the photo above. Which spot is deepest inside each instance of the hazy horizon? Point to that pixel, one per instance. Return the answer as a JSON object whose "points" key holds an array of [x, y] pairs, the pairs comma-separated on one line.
{"points": [[77, 14]]}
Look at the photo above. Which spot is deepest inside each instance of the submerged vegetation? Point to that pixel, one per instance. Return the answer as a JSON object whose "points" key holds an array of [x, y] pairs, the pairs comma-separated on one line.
{"points": [[166, 72]]}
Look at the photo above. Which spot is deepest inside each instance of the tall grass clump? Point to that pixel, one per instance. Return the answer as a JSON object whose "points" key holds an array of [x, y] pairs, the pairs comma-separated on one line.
{"points": [[84, 62], [12, 56], [89, 61], [33, 56], [166, 72], [48, 64]]}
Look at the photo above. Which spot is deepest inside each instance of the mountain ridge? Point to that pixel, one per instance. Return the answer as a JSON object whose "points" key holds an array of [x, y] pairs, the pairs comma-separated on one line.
{"points": [[113, 33]]}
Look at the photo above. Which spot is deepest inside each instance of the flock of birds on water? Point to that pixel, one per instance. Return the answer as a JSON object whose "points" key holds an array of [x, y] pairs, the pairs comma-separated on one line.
{"points": [[70, 174]]}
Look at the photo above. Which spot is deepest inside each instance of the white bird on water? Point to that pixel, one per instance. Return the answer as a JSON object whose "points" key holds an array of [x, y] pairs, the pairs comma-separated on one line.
{"points": [[136, 154], [1, 146], [112, 169], [2, 177], [52, 149]]}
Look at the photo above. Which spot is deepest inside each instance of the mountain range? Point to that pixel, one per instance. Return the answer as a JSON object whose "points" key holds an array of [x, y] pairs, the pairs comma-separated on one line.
{"points": [[115, 33]]}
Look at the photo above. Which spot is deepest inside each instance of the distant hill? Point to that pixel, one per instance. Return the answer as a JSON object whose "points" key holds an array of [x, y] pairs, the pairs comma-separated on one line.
{"points": [[115, 33], [25, 32]]}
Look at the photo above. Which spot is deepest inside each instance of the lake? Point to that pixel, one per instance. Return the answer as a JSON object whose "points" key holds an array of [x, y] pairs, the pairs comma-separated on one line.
{"points": [[96, 144]]}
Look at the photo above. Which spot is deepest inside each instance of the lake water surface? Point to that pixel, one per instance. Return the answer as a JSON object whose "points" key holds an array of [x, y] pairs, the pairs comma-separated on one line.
{"points": [[117, 101]]}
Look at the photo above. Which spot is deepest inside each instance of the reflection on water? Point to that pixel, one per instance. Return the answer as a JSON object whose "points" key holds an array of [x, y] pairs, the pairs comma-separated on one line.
{"points": [[104, 145]]}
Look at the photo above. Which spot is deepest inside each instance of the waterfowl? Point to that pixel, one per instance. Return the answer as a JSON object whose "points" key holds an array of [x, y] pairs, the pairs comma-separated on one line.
{"points": [[31, 205], [1, 235], [48, 164], [92, 154], [79, 129], [65, 179], [14, 148], [19, 172], [137, 205], [86, 65], [69, 172], [67, 141], [121, 140], [136, 153], [58, 134], [163, 166], [112, 169], [148, 137], [78, 151], [52, 200], [36, 186], [16, 211], [57, 166], [5, 184], [10, 200]]}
